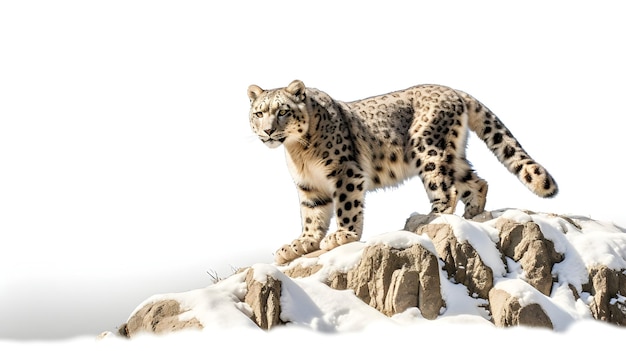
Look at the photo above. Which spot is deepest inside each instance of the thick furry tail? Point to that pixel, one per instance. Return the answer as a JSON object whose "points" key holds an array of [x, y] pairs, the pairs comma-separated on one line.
{"points": [[507, 149]]}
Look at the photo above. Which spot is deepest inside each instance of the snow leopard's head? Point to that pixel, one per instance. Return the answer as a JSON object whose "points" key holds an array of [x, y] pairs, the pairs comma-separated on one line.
{"points": [[279, 116]]}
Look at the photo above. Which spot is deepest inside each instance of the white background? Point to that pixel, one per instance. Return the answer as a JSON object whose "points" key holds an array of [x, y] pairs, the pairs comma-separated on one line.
{"points": [[127, 167]]}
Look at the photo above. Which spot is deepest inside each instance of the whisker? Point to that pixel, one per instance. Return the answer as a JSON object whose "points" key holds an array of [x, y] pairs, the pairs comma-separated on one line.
{"points": [[251, 138]]}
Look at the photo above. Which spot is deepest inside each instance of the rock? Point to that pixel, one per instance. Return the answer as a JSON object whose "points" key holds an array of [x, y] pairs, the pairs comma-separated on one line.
{"points": [[158, 317], [392, 280], [389, 279], [461, 260], [338, 280], [417, 220], [395, 278], [507, 311], [302, 271], [264, 300], [524, 243], [608, 288]]}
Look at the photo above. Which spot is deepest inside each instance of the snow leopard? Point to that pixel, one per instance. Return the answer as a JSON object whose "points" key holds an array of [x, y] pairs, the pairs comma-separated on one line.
{"points": [[337, 151]]}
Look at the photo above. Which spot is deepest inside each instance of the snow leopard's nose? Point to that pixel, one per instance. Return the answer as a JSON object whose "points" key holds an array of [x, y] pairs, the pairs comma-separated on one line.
{"points": [[269, 132]]}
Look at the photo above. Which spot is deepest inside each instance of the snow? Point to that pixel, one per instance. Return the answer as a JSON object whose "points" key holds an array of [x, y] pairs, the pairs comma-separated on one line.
{"points": [[113, 115], [456, 335], [516, 215], [315, 306], [403, 240], [610, 252], [343, 257], [311, 306], [224, 302], [572, 269], [320, 314]]}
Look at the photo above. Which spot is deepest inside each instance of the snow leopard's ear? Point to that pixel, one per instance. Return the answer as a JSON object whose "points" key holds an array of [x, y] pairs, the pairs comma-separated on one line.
{"points": [[253, 92], [296, 88]]}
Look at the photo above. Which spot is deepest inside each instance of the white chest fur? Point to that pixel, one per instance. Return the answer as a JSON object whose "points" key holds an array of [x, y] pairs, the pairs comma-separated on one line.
{"points": [[310, 174]]}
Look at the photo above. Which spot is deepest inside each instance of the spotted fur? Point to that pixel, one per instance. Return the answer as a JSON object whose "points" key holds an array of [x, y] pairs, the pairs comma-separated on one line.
{"points": [[336, 151]]}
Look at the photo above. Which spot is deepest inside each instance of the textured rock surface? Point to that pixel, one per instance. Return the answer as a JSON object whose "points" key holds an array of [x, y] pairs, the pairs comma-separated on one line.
{"points": [[461, 260], [608, 288], [264, 300], [392, 280], [507, 311], [524, 243], [512, 286], [158, 317]]}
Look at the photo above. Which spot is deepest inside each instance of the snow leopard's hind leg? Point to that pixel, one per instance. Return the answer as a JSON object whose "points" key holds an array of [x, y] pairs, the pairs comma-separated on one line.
{"points": [[472, 190]]}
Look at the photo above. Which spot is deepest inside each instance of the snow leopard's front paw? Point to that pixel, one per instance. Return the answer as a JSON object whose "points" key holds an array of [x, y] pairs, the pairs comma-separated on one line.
{"points": [[297, 248], [338, 238]]}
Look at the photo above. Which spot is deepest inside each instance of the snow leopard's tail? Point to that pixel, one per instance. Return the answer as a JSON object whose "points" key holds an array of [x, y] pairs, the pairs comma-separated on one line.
{"points": [[507, 149]]}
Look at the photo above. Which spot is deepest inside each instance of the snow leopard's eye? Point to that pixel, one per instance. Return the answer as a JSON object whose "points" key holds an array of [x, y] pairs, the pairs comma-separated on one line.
{"points": [[282, 112], [258, 114]]}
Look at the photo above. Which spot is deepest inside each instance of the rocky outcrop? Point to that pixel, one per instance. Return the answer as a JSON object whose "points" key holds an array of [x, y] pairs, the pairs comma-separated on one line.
{"points": [[158, 317], [392, 280], [508, 311], [263, 297], [608, 288], [461, 261], [524, 243], [508, 264]]}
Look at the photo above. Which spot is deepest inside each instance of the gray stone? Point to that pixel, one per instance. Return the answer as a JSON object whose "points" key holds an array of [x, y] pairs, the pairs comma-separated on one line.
{"points": [[606, 285], [393, 280], [506, 311], [264, 300], [461, 260], [526, 244], [158, 317]]}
